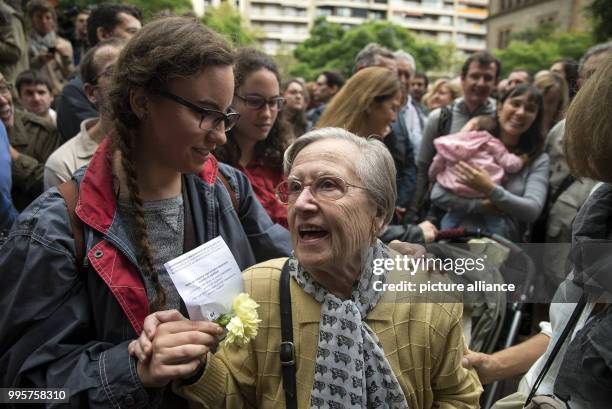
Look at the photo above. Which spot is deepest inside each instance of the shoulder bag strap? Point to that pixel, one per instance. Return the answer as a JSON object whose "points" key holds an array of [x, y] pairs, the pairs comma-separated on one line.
{"points": [[230, 190], [287, 349], [571, 323], [69, 192]]}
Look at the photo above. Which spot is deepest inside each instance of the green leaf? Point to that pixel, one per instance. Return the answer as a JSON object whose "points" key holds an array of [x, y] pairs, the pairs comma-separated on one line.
{"points": [[224, 319]]}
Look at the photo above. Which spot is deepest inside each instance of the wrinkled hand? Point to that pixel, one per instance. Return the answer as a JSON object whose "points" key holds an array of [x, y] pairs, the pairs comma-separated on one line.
{"points": [[407, 249], [429, 231], [172, 347], [485, 365], [474, 177]]}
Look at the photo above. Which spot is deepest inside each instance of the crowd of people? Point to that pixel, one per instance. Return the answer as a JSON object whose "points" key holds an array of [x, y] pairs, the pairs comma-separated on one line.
{"points": [[128, 144]]}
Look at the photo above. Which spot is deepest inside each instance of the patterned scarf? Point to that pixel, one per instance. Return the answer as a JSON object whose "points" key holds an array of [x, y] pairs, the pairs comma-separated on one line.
{"points": [[351, 369]]}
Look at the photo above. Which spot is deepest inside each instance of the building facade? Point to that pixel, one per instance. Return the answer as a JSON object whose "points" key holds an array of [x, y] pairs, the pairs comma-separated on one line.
{"points": [[286, 23], [511, 16]]}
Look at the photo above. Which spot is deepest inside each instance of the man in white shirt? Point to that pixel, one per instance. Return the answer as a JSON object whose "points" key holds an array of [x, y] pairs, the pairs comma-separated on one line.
{"points": [[96, 71]]}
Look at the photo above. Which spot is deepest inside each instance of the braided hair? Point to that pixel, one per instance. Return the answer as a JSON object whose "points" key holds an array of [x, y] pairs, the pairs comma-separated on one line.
{"points": [[165, 49]]}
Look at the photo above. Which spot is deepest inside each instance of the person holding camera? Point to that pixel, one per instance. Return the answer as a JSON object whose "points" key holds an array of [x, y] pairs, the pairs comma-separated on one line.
{"points": [[49, 53]]}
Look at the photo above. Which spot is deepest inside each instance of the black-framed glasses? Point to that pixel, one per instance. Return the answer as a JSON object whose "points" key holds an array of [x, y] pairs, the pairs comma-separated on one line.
{"points": [[328, 188], [258, 102], [210, 119]]}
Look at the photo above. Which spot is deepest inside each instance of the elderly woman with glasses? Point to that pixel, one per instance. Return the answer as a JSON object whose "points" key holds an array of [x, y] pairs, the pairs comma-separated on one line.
{"points": [[256, 144], [354, 346]]}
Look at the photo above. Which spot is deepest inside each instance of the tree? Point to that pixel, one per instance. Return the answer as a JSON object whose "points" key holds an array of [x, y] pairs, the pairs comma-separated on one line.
{"points": [[149, 7], [332, 47], [537, 50], [600, 12], [226, 20]]}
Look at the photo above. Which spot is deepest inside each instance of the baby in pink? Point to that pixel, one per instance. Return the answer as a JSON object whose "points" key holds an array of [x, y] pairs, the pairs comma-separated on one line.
{"points": [[477, 147]]}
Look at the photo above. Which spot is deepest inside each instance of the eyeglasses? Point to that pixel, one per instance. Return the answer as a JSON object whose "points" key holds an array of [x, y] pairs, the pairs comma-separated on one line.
{"points": [[258, 102], [329, 188], [6, 88], [106, 73], [210, 119]]}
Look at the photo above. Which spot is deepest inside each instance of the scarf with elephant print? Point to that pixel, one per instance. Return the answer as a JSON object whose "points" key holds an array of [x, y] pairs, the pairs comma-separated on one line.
{"points": [[351, 370]]}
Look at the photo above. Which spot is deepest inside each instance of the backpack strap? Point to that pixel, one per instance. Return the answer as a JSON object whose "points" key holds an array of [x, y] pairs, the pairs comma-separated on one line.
{"points": [[230, 190], [287, 349], [445, 120], [69, 192]]}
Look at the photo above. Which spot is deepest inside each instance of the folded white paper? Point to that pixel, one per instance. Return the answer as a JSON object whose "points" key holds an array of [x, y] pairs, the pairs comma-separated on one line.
{"points": [[207, 278]]}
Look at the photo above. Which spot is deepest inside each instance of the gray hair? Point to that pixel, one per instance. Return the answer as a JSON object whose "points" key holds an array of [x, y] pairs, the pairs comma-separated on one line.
{"points": [[596, 49], [375, 166], [403, 55], [367, 56]]}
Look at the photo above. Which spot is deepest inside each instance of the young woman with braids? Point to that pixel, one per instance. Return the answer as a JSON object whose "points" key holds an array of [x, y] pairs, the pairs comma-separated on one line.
{"points": [[257, 143], [151, 192]]}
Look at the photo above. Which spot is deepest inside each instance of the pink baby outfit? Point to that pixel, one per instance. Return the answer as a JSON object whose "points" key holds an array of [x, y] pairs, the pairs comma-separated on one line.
{"points": [[478, 148]]}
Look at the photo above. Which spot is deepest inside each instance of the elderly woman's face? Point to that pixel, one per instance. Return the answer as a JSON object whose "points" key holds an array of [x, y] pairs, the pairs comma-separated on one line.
{"points": [[327, 234]]}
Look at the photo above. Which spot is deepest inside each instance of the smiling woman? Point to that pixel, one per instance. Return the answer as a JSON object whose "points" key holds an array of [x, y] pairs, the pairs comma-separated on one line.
{"points": [[352, 349], [520, 200], [151, 192], [256, 144]]}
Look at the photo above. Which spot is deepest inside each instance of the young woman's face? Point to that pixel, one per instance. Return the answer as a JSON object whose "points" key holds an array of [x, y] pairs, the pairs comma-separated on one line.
{"points": [[383, 113], [516, 115], [255, 123], [295, 96], [171, 131]]}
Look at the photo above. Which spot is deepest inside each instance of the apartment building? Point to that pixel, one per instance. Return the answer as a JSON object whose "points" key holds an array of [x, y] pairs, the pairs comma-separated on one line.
{"points": [[511, 16], [286, 23]]}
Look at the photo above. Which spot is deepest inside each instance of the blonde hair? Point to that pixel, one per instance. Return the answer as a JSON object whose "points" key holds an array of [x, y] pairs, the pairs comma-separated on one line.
{"points": [[348, 108], [548, 81], [454, 88], [588, 125]]}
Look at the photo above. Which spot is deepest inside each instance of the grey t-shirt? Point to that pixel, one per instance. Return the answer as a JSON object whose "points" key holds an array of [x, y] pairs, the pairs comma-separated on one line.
{"points": [[165, 227]]}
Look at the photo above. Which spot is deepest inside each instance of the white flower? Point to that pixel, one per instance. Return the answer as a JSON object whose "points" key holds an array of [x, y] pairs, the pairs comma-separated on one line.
{"points": [[242, 327]]}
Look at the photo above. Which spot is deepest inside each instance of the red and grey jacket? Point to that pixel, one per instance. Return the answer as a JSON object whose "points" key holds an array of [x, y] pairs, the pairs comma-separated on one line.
{"points": [[66, 328]]}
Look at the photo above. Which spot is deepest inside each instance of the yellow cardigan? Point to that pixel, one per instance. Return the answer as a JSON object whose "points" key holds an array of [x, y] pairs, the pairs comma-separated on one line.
{"points": [[422, 341]]}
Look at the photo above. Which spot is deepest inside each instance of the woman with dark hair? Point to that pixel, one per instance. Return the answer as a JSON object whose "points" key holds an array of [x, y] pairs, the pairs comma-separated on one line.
{"points": [[295, 111], [520, 199], [257, 143], [72, 298]]}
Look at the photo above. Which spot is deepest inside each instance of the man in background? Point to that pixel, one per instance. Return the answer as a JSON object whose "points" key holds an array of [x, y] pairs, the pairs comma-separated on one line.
{"points": [[105, 21], [34, 92]]}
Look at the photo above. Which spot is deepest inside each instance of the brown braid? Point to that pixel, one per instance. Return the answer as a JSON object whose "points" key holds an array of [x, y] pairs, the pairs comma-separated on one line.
{"points": [[165, 49], [145, 255]]}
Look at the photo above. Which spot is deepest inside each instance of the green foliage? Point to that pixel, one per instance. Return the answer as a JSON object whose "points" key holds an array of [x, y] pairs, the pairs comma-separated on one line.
{"points": [[226, 20], [149, 7], [539, 49], [600, 12], [332, 47], [152, 7]]}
